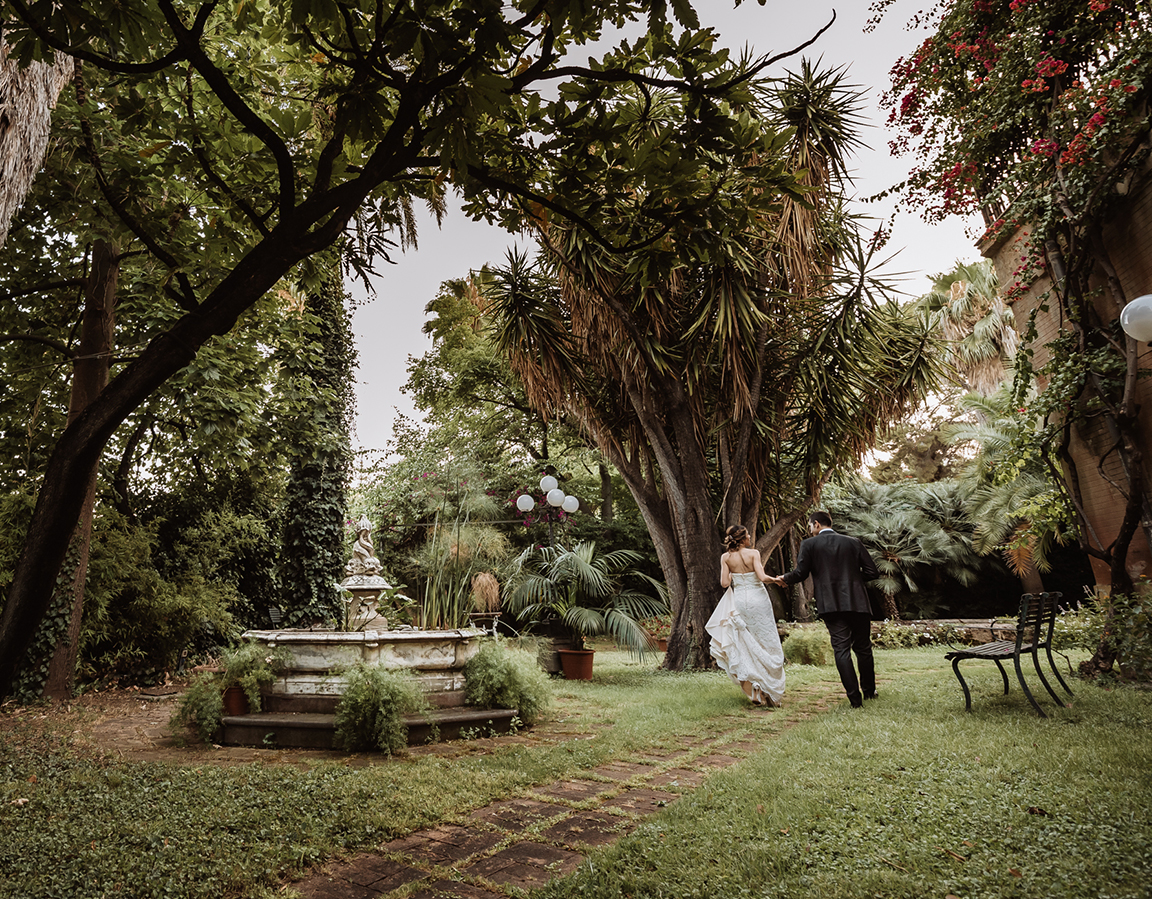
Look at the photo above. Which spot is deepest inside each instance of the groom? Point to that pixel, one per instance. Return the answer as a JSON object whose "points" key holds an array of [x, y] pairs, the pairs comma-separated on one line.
{"points": [[839, 565]]}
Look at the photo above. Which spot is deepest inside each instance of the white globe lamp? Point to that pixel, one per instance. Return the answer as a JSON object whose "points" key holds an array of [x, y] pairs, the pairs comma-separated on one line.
{"points": [[1136, 318], [525, 503], [570, 504], [548, 483], [555, 497]]}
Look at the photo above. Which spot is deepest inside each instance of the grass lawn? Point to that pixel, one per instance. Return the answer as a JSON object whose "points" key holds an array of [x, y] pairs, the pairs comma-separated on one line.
{"points": [[909, 797]]}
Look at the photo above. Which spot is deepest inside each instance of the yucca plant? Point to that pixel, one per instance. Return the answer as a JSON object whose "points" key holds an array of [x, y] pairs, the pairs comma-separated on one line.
{"points": [[586, 591]]}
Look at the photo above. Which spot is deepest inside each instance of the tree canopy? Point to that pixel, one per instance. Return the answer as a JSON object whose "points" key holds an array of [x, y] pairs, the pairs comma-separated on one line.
{"points": [[223, 146]]}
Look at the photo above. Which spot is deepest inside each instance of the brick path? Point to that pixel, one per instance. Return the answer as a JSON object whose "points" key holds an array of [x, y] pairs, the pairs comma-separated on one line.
{"points": [[524, 842]]}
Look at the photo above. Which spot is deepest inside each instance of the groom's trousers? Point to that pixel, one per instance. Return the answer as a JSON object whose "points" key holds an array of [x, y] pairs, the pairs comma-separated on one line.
{"points": [[851, 632]]}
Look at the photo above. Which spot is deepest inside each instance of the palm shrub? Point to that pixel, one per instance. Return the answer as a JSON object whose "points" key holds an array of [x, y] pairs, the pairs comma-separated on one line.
{"points": [[1017, 507], [370, 714], [919, 535], [502, 677], [586, 592]]}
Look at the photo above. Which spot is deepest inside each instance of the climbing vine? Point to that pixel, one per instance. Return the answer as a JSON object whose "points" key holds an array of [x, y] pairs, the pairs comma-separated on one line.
{"points": [[318, 445]]}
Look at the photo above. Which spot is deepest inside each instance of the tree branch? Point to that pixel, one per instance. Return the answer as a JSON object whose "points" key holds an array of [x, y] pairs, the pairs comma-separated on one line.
{"points": [[103, 62], [42, 288], [62, 348], [189, 41]]}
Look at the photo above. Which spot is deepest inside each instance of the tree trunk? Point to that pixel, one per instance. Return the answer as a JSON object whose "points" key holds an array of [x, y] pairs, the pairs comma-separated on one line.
{"points": [[1030, 579], [607, 512], [89, 377], [77, 452], [28, 95]]}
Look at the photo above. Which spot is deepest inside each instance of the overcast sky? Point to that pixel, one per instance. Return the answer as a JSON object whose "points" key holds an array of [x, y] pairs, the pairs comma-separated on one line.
{"points": [[388, 326]]}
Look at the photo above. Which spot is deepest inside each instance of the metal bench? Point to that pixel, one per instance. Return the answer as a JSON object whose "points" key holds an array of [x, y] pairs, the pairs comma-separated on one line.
{"points": [[1033, 633]]}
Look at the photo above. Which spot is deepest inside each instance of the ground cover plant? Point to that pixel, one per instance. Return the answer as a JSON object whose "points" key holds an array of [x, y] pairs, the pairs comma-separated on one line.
{"points": [[835, 803]]}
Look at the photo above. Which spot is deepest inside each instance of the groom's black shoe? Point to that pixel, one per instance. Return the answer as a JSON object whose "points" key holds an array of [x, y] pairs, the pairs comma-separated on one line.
{"points": [[871, 695], [857, 702]]}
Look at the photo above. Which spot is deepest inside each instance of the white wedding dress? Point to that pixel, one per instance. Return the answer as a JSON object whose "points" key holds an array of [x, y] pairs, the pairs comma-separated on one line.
{"points": [[745, 642]]}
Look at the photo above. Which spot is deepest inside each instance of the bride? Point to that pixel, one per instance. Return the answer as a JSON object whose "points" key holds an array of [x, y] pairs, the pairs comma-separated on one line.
{"points": [[745, 642]]}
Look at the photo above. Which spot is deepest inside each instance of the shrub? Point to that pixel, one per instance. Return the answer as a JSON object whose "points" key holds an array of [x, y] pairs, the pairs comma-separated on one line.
{"points": [[1083, 628], [808, 646], [500, 676], [1132, 626], [370, 713], [1079, 628], [250, 666], [201, 706], [895, 635]]}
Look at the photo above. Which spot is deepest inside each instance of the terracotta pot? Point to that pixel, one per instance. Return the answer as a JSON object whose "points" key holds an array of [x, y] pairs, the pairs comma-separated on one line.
{"points": [[235, 701], [576, 663], [662, 644]]}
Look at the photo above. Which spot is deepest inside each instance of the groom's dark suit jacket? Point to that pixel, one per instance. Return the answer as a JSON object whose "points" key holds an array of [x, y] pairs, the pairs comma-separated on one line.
{"points": [[839, 565]]}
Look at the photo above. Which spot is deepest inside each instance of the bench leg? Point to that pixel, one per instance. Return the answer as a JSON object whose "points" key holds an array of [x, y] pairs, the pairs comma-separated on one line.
{"points": [[1056, 671], [959, 677], [1003, 674], [1024, 686], [1044, 680]]}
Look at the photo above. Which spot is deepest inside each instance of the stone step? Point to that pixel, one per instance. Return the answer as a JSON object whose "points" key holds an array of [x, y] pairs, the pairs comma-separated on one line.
{"points": [[315, 730], [326, 703]]}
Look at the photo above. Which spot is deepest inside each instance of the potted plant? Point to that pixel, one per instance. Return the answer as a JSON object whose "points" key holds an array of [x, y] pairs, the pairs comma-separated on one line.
{"points": [[230, 688], [659, 628], [580, 593]]}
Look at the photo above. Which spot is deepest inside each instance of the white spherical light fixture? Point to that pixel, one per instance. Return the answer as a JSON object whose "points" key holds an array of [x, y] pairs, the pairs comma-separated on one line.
{"points": [[1136, 318], [555, 496], [548, 483], [570, 504], [525, 503]]}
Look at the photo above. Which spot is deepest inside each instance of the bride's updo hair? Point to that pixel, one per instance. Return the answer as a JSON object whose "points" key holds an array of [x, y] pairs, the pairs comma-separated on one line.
{"points": [[734, 537]]}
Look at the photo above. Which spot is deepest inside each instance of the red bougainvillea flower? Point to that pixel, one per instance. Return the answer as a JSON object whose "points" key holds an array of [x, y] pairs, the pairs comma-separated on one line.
{"points": [[1051, 67]]}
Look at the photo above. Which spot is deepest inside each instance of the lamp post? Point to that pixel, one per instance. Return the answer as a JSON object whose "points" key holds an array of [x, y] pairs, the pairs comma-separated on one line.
{"points": [[557, 500], [1136, 318]]}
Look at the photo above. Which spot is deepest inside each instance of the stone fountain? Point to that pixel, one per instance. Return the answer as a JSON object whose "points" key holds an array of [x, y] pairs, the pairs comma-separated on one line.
{"points": [[310, 684]]}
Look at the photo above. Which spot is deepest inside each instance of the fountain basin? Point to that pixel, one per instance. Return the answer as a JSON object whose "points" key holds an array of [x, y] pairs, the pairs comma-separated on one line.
{"points": [[315, 657]]}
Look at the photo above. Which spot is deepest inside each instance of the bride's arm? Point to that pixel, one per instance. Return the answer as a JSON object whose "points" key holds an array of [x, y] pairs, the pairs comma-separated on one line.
{"points": [[759, 566], [725, 572]]}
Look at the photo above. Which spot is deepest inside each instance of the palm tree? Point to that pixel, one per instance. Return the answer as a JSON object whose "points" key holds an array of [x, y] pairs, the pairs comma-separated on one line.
{"points": [[1016, 502], [27, 97], [965, 305], [585, 591], [917, 533], [728, 369]]}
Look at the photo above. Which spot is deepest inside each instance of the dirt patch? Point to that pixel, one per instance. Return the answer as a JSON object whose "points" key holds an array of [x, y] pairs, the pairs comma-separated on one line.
{"points": [[132, 724]]}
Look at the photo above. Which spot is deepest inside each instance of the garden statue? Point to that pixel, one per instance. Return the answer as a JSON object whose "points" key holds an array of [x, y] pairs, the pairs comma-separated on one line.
{"points": [[363, 561], [364, 583]]}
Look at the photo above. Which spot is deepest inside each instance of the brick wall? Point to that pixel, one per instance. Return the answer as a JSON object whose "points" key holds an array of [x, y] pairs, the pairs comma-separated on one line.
{"points": [[1101, 473]]}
